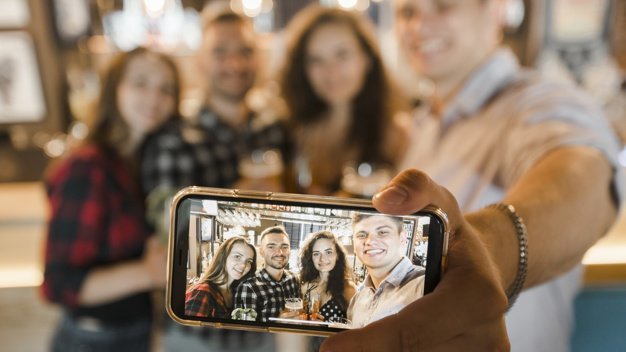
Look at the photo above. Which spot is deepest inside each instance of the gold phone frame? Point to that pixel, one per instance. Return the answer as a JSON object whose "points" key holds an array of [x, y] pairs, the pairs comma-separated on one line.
{"points": [[234, 194]]}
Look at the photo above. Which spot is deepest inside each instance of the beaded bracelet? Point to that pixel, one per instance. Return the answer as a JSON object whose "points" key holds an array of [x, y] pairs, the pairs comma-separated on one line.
{"points": [[522, 237]]}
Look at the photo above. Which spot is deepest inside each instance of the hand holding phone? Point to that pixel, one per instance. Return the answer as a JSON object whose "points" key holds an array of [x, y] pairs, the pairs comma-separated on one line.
{"points": [[282, 262], [466, 310]]}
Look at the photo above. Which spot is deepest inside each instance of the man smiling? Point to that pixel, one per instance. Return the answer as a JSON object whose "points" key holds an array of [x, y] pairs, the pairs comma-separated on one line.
{"points": [[267, 290], [392, 281]]}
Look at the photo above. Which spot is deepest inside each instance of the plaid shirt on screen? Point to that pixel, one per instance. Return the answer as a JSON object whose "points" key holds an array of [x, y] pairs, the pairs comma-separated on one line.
{"points": [[206, 300], [266, 295], [96, 219]]}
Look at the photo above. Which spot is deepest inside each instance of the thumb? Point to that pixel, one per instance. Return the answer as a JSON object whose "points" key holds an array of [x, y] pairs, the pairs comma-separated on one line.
{"points": [[345, 341], [412, 190]]}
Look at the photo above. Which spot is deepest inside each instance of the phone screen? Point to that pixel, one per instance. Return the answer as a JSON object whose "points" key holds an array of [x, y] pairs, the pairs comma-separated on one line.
{"points": [[297, 264]]}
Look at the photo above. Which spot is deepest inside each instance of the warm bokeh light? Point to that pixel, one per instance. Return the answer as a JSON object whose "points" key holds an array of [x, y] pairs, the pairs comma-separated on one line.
{"points": [[154, 8], [614, 254], [20, 276], [347, 4]]}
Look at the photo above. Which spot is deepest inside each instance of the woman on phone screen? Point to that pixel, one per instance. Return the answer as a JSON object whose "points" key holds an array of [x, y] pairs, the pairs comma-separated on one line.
{"points": [[326, 278], [212, 296]]}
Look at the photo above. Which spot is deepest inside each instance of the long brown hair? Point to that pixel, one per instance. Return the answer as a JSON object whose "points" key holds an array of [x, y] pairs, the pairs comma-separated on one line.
{"points": [[372, 108], [109, 128], [216, 273], [339, 273]]}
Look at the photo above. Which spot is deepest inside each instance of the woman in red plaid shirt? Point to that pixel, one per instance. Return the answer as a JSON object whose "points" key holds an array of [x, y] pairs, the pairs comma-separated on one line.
{"points": [[101, 260], [234, 262]]}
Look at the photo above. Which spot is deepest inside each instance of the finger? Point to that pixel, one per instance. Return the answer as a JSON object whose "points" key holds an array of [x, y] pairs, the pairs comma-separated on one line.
{"points": [[469, 295], [362, 340], [412, 190], [487, 337]]}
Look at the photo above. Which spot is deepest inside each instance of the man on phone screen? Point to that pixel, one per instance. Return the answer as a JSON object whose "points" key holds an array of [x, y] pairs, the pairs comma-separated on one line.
{"points": [[267, 290], [392, 281]]}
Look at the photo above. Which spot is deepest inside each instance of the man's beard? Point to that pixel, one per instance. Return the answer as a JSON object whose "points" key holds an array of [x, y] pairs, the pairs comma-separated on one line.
{"points": [[277, 266], [229, 95]]}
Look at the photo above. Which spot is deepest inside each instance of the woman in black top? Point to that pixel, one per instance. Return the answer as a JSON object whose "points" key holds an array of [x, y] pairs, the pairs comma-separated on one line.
{"points": [[326, 276]]}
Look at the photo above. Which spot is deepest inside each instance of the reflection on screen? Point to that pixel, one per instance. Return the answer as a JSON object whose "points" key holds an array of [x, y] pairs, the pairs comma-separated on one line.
{"points": [[309, 266]]}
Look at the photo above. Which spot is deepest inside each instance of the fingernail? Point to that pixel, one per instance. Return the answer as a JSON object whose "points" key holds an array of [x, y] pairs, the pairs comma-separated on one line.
{"points": [[393, 195]]}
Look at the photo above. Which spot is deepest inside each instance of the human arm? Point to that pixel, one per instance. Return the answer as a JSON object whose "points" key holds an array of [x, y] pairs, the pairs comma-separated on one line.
{"points": [[123, 279], [81, 235], [566, 202], [465, 312]]}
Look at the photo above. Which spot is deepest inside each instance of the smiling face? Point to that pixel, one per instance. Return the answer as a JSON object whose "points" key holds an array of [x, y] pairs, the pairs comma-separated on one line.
{"points": [[228, 59], [239, 261], [446, 39], [336, 65], [378, 243], [324, 255], [146, 94], [275, 250]]}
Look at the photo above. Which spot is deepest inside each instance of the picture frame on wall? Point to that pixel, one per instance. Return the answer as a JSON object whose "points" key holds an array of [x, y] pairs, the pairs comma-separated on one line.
{"points": [[14, 14], [21, 92]]}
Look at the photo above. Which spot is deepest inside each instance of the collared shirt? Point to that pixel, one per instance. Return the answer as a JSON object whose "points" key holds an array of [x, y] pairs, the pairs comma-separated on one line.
{"points": [[207, 152], [403, 285], [266, 295], [502, 121], [96, 220]]}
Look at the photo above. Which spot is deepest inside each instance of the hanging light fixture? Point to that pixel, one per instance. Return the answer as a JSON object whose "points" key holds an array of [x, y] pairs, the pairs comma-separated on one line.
{"points": [[159, 24]]}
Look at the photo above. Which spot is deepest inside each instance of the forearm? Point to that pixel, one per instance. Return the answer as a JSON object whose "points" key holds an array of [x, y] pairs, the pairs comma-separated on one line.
{"points": [[565, 201], [107, 284]]}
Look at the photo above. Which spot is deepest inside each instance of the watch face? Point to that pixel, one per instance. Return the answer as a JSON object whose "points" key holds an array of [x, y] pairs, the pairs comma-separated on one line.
{"points": [[72, 18]]}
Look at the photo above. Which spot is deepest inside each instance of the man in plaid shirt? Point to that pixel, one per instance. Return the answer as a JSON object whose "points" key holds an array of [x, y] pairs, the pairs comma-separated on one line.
{"points": [[267, 290], [206, 149]]}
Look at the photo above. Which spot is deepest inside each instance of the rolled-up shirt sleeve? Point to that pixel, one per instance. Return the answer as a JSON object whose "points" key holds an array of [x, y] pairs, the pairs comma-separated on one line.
{"points": [[552, 119]]}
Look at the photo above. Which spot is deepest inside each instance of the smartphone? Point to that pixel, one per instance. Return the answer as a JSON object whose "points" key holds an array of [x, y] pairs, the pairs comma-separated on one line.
{"points": [[278, 262]]}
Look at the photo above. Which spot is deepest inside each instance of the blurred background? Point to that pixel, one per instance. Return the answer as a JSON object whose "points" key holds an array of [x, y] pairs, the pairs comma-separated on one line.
{"points": [[51, 52]]}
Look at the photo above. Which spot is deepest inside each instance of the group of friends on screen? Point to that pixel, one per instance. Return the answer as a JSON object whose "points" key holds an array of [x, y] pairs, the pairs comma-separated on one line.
{"points": [[325, 281]]}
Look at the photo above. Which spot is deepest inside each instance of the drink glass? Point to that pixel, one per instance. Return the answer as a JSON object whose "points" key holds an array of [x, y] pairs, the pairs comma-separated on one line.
{"points": [[314, 307], [340, 323], [365, 179], [293, 304], [262, 170]]}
